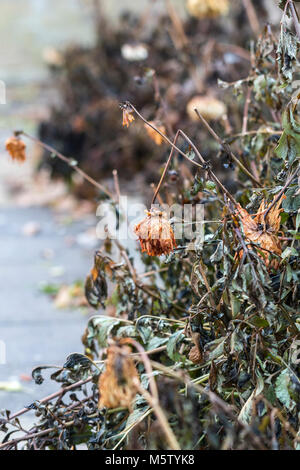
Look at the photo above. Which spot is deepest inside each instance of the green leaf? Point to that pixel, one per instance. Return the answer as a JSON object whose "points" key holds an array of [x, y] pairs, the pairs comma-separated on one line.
{"points": [[287, 53], [103, 327], [236, 342], [215, 348], [282, 389], [135, 416], [156, 342], [289, 251], [173, 342], [245, 413]]}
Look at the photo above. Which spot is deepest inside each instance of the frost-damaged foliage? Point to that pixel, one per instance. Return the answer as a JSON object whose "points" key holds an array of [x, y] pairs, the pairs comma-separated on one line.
{"points": [[214, 332]]}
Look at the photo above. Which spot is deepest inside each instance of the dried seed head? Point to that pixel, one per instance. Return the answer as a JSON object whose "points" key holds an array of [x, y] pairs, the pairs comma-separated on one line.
{"points": [[117, 385], [155, 136], [195, 355], [16, 148], [207, 8], [263, 231], [155, 234], [210, 108], [96, 285]]}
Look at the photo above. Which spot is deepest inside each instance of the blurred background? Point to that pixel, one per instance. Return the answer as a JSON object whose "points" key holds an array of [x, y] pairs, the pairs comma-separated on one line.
{"points": [[66, 65]]}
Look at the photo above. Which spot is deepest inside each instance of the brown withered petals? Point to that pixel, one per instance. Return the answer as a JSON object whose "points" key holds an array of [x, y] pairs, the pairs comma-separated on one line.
{"points": [[117, 385], [16, 148], [155, 234], [263, 230]]}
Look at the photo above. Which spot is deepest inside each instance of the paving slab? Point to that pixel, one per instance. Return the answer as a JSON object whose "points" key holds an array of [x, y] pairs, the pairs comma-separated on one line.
{"points": [[33, 330]]}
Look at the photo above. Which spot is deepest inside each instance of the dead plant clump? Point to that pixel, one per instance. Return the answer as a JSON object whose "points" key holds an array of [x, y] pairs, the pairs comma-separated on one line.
{"points": [[142, 63], [200, 348]]}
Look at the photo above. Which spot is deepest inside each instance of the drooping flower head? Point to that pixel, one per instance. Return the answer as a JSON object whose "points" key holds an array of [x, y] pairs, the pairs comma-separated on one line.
{"points": [[127, 114], [16, 148], [117, 385], [263, 231], [155, 233]]}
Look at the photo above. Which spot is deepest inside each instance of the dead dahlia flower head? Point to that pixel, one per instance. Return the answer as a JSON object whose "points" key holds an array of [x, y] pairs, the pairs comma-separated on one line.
{"points": [[207, 8], [118, 384], [210, 108], [155, 234], [16, 148], [263, 231]]}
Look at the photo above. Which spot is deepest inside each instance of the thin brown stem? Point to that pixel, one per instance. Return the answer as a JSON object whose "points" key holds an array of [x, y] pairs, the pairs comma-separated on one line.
{"points": [[165, 169], [288, 182], [157, 195], [117, 184], [69, 161], [61, 392], [163, 135], [252, 16], [295, 18], [204, 164], [226, 148], [147, 365], [172, 440]]}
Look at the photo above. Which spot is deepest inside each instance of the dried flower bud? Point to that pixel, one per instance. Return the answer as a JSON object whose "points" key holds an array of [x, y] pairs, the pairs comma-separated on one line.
{"points": [[155, 234], [96, 285], [16, 148], [195, 355], [155, 136], [210, 108], [207, 8], [117, 385], [127, 114]]}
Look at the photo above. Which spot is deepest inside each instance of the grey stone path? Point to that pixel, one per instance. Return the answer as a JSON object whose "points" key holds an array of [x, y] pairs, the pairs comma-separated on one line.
{"points": [[34, 331]]}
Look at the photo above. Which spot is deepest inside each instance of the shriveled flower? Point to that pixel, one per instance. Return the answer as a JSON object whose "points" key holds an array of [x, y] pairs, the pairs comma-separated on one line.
{"points": [[195, 354], [263, 231], [210, 108], [96, 285], [155, 234], [16, 148], [117, 385], [127, 114], [155, 136], [207, 8]]}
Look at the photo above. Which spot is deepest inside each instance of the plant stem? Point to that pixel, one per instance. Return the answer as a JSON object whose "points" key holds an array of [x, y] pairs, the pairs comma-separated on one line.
{"points": [[288, 182], [70, 162], [162, 135], [174, 444], [204, 164], [226, 148], [252, 16], [295, 18], [61, 392]]}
